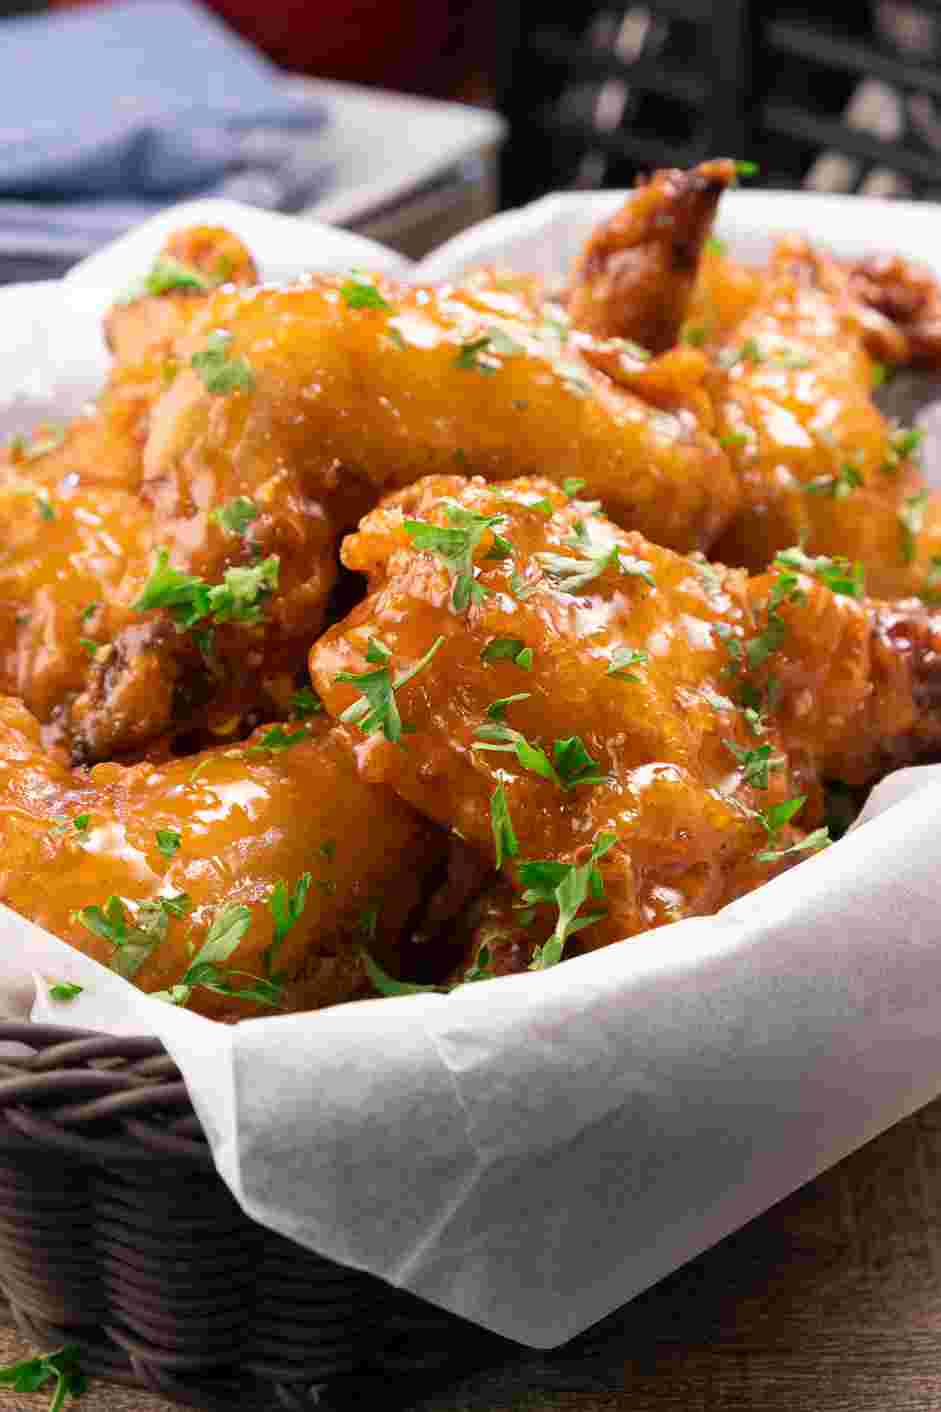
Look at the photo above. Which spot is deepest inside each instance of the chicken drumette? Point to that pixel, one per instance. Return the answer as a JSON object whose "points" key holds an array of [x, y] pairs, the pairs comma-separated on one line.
{"points": [[584, 705], [139, 867]]}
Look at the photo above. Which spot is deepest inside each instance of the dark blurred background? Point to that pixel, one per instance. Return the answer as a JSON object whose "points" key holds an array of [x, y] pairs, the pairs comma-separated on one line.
{"points": [[828, 97]]}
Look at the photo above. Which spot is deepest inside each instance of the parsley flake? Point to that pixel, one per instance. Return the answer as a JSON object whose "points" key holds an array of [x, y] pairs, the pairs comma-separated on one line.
{"points": [[359, 292], [456, 544], [903, 445], [847, 479], [220, 373], [208, 967], [571, 575], [468, 358], [287, 908], [838, 575], [305, 702], [622, 659], [43, 505], [168, 841], [277, 738], [377, 709], [911, 523], [132, 940], [567, 886], [773, 821], [573, 486], [512, 649], [505, 842], [235, 516], [64, 990], [189, 599], [756, 763]]}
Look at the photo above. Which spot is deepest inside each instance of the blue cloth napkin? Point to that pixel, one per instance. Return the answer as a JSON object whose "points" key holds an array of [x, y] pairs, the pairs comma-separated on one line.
{"points": [[110, 112]]}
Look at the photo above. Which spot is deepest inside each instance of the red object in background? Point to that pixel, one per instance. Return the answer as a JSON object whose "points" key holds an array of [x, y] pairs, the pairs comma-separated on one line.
{"points": [[422, 46]]}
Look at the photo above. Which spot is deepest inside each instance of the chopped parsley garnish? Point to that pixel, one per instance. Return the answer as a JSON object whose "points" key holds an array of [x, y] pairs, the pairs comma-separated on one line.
{"points": [[32, 1374], [80, 822], [573, 486], [368, 923], [468, 356], [903, 445], [305, 702], [911, 523], [746, 169], [715, 246], [512, 649], [732, 439], [189, 599], [756, 764], [847, 479], [287, 908], [90, 611], [747, 352], [166, 275], [571, 764], [235, 516], [571, 575], [694, 335], [566, 886], [622, 659], [64, 990], [208, 968], [45, 509], [90, 645], [456, 545], [376, 709], [220, 373], [387, 985], [880, 374], [773, 821], [504, 839], [132, 939], [838, 575], [360, 293], [168, 841], [930, 592], [277, 738]]}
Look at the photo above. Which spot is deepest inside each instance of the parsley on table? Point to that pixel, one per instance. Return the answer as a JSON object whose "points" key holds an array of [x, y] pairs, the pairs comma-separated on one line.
{"points": [[571, 575], [455, 544], [847, 479], [236, 515], [756, 763], [32, 1375], [567, 886], [622, 659], [911, 523], [189, 599], [305, 702], [220, 373], [359, 292], [168, 841], [276, 738], [511, 649], [64, 990], [837, 574], [377, 709], [505, 842]]}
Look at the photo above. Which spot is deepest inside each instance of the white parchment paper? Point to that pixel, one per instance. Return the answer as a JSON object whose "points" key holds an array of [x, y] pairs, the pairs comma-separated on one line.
{"points": [[533, 1151]]}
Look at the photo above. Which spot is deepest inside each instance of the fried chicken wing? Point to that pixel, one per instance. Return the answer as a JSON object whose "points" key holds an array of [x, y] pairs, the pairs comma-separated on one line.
{"points": [[904, 296], [564, 686], [182, 844], [635, 276], [816, 460]]}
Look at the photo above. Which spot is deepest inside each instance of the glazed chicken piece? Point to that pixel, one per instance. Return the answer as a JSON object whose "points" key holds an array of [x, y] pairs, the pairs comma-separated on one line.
{"points": [[816, 460], [290, 410], [635, 276], [193, 841], [906, 296], [556, 689]]}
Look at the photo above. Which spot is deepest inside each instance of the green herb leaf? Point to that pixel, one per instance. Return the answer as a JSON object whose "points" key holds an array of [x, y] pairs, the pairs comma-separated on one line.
{"points": [[846, 480], [305, 702], [287, 908], [45, 509], [360, 293], [468, 358], [481, 970], [220, 373], [504, 648], [622, 659], [574, 765], [746, 169], [90, 611], [64, 990], [456, 545], [838, 575], [880, 374], [132, 941], [387, 985], [573, 486], [185, 597], [572, 575], [567, 886], [903, 445], [277, 738], [911, 523], [756, 764], [377, 710], [715, 246], [505, 843], [820, 838], [235, 516], [168, 841]]}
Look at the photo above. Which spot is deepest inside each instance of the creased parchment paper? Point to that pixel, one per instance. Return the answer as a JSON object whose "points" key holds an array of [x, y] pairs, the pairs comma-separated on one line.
{"points": [[531, 1152]]}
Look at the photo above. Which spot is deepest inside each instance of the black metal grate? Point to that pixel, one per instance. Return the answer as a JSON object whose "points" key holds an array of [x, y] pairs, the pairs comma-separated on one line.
{"points": [[831, 98]]}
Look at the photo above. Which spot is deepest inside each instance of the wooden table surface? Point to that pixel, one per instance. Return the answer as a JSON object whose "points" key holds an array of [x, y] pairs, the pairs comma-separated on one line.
{"points": [[830, 1302]]}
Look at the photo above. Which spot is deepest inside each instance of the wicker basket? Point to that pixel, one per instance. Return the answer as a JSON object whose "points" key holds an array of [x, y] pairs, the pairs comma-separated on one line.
{"points": [[117, 1234]]}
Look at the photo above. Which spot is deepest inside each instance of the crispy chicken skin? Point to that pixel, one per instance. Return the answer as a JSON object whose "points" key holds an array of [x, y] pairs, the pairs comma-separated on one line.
{"points": [[635, 276], [246, 818], [337, 399], [816, 460], [666, 733], [906, 296]]}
